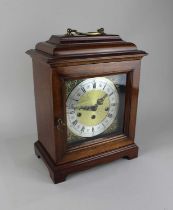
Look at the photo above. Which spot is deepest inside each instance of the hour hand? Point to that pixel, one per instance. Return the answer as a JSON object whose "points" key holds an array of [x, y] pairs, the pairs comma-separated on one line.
{"points": [[88, 108]]}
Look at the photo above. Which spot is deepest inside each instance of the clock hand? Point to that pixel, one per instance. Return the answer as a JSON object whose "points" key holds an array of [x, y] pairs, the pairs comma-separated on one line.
{"points": [[93, 107], [100, 100], [88, 108]]}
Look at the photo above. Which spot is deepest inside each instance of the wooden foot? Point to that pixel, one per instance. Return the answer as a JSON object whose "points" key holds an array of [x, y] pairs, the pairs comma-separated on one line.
{"points": [[38, 156], [132, 154], [57, 177], [37, 152]]}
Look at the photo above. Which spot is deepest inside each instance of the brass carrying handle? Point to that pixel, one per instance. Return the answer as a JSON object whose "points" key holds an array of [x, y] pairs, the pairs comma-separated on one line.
{"points": [[72, 32]]}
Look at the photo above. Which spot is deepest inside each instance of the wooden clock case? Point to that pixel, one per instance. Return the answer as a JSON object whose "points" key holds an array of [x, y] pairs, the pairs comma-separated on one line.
{"points": [[74, 57]]}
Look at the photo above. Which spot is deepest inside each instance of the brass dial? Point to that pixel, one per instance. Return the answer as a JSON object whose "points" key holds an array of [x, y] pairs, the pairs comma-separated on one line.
{"points": [[92, 106]]}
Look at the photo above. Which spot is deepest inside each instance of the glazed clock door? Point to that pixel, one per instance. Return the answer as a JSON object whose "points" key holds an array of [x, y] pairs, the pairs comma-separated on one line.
{"points": [[94, 108]]}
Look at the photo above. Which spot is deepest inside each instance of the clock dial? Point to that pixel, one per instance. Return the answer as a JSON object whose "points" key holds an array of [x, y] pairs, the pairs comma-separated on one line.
{"points": [[92, 107]]}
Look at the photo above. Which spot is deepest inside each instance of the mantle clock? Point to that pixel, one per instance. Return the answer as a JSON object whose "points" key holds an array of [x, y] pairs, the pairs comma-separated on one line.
{"points": [[86, 91]]}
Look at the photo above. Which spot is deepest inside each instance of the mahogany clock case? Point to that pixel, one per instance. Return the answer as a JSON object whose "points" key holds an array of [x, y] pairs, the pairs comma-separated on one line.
{"points": [[68, 58]]}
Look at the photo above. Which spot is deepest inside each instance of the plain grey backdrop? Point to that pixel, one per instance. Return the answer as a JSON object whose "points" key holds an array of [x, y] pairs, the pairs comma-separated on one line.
{"points": [[144, 183]]}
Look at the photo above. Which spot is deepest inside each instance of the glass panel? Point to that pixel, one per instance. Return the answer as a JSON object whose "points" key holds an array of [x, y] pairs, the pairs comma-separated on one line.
{"points": [[95, 107]]}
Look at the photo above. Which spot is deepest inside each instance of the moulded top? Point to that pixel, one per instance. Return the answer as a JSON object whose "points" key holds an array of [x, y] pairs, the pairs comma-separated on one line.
{"points": [[63, 46]]}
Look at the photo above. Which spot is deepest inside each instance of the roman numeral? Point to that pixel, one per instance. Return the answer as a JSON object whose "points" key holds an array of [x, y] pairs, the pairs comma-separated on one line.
{"points": [[110, 115], [83, 128], [93, 129], [103, 125], [94, 84], [104, 86], [110, 94], [71, 106], [74, 122], [83, 89]]}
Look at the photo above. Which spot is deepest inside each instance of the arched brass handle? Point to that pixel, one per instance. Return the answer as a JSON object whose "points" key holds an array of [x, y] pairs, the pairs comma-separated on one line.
{"points": [[72, 32]]}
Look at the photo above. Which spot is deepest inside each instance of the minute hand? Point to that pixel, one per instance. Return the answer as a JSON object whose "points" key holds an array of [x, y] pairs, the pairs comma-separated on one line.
{"points": [[100, 100]]}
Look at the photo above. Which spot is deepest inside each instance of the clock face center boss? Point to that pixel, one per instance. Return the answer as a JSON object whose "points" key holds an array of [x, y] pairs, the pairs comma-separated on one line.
{"points": [[86, 92], [92, 106]]}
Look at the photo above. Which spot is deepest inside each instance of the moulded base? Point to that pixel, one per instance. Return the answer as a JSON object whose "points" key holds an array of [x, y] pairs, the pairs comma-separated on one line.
{"points": [[59, 172]]}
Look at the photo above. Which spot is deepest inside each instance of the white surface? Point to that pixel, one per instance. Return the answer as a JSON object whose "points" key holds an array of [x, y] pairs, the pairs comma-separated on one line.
{"points": [[138, 184], [144, 183]]}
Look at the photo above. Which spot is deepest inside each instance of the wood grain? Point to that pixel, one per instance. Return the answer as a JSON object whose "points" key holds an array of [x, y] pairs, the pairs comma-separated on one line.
{"points": [[62, 58]]}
